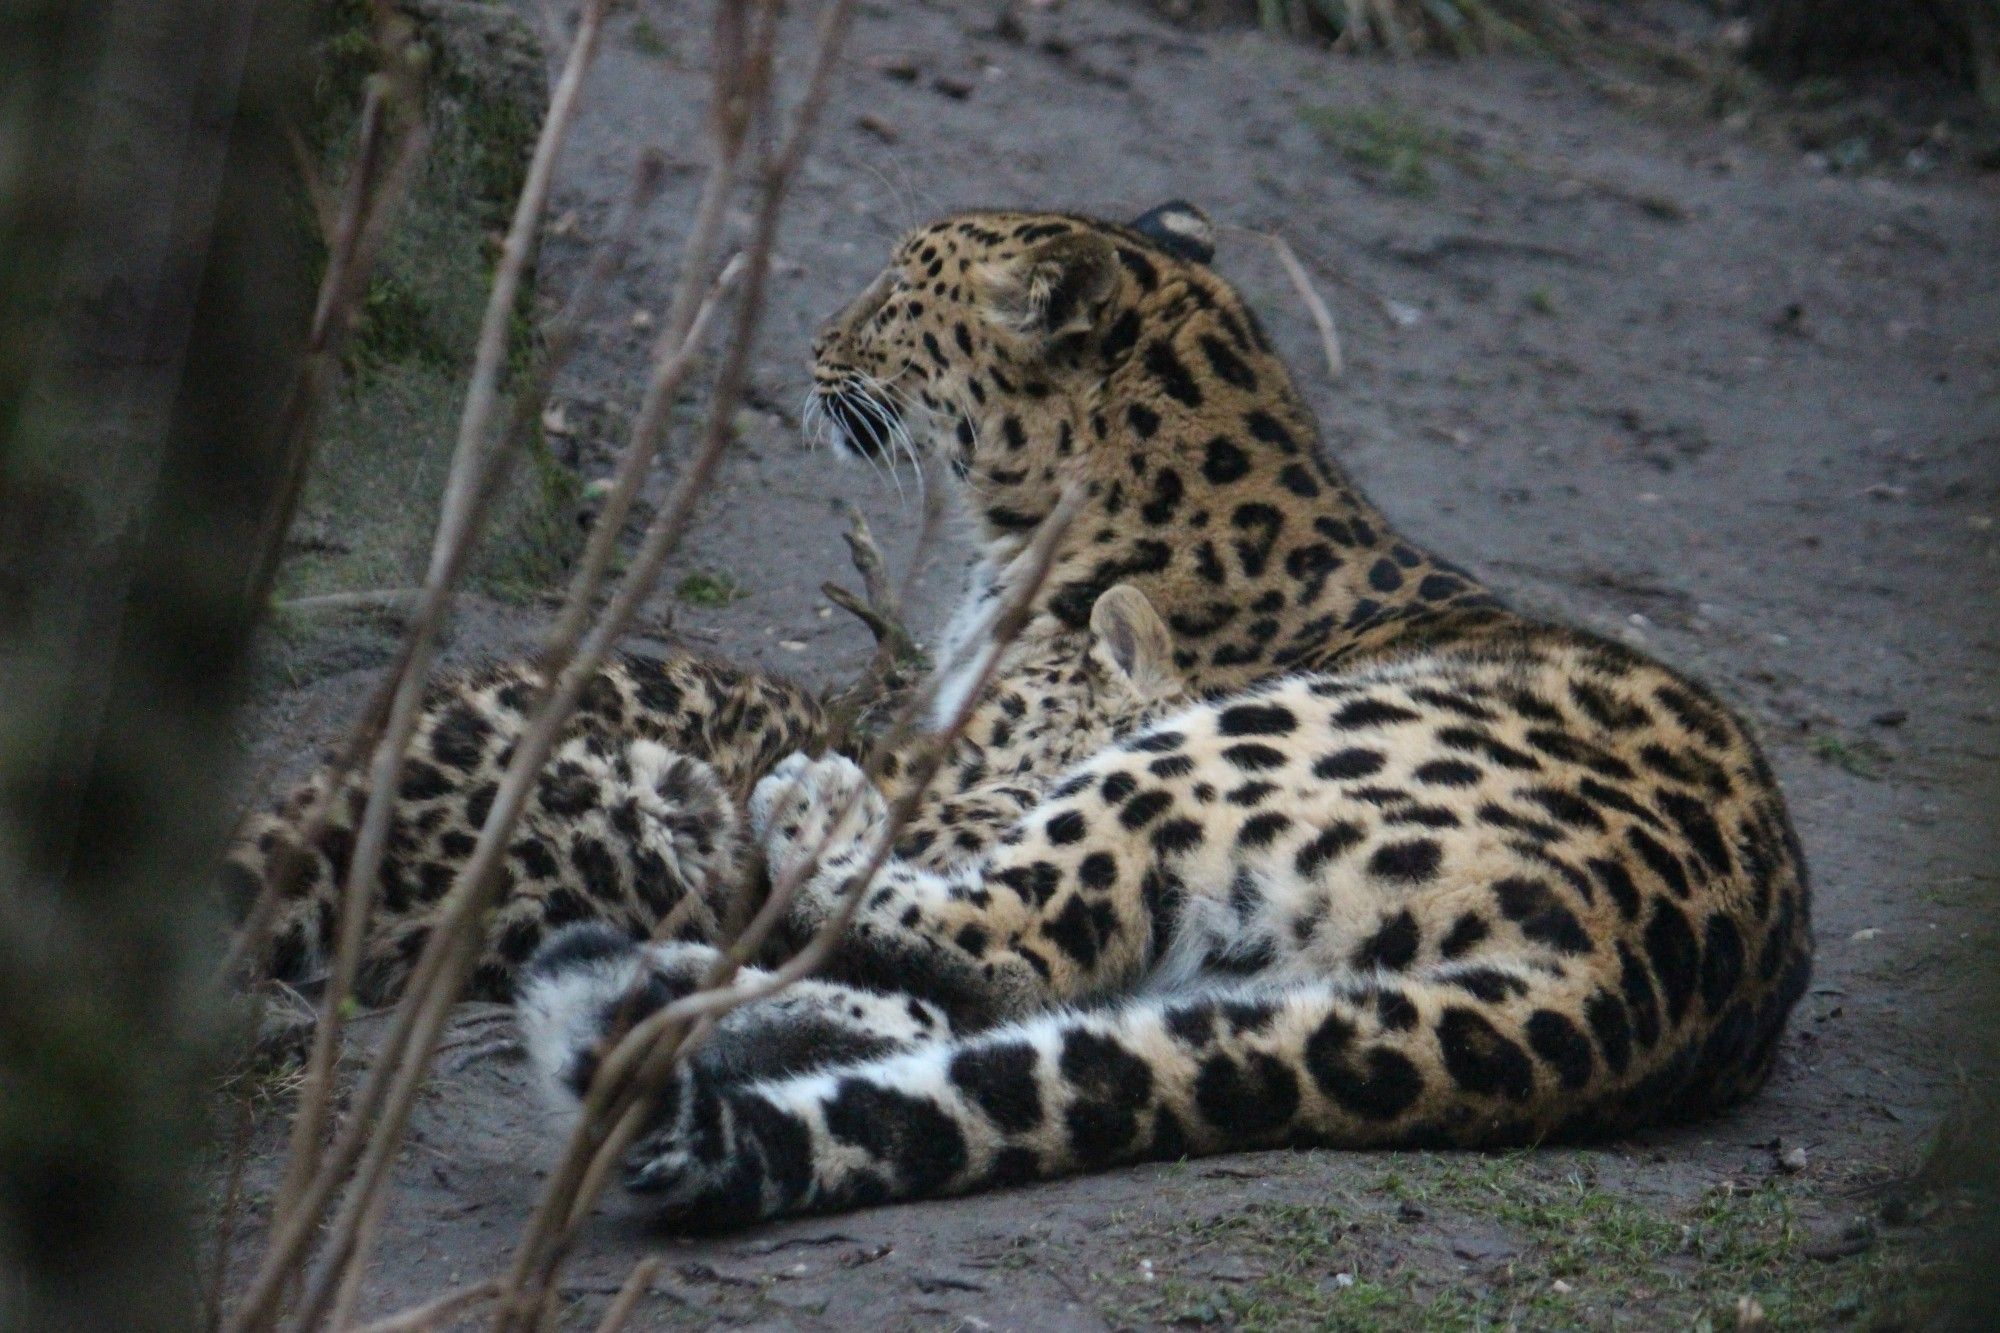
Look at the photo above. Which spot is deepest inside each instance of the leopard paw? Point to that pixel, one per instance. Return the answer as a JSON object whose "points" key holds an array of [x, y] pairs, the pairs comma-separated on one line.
{"points": [[825, 806], [689, 812]]}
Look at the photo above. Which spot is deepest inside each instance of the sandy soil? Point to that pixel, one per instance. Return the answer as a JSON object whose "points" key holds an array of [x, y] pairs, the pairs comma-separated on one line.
{"points": [[1651, 372]]}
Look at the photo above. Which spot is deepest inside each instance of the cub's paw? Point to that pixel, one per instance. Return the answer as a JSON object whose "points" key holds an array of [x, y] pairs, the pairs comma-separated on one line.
{"points": [[687, 820], [808, 805]]}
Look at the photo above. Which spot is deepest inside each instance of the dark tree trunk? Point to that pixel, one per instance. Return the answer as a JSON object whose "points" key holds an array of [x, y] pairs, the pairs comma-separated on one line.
{"points": [[1957, 38], [150, 295]]}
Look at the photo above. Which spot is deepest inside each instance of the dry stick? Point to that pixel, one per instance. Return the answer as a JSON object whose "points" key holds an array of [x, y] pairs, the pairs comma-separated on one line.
{"points": [[376, 184], [565, 332], [1322, 317], [448, 955], [391, 142], [778, 170], [395, 601], [447, 562], [936, 505], [340, 225], [385, 1100], [308, 1185], [639, 1063], [879, 608], [628, 1296], [350, 1284], [731, 116], [432, 1314], [441, 969]]}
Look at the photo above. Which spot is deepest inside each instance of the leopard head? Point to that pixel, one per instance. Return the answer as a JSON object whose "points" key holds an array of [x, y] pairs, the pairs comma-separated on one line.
{"points": [[980, 343]]}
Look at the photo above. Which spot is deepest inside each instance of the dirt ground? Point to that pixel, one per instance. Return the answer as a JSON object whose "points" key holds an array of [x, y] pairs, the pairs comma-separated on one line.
{"points": [[1647, 368]]}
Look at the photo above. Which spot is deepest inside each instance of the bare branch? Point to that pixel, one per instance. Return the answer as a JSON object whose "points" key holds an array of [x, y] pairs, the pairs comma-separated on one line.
{"points": [[1329, 341], [643, 1058], [310, 1181], [434, 1314], [628, 1296]]}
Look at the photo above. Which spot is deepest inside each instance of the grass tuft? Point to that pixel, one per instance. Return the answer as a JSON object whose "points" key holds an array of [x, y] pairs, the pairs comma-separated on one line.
{"points": [[709, 587], [1409, 27], [1552, 1252], [1394, 147]]}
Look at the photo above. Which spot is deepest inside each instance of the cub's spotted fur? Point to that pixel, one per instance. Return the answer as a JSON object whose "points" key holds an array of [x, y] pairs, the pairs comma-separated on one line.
{"points": [[636, 809], [1399, 867], [639, 805]]}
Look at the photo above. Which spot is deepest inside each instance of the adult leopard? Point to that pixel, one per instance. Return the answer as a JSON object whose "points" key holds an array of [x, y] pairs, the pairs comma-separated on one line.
{"points": [[1413, 869]]}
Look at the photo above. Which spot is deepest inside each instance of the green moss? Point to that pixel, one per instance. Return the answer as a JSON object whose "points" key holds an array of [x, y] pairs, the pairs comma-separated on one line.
{"points": [[387, 434], [648, 40], [397, 326], [539, 536], [709, 587], [1863, 758], [1620, 1261], [1391, 146]]}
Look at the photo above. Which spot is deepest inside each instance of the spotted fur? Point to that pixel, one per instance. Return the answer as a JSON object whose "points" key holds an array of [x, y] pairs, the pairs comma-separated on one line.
{"points": [[637, 808], [1400, 868]]}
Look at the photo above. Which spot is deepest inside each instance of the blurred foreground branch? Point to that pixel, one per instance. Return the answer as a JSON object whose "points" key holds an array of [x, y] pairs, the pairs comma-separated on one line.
{"points": [[150, 301]]}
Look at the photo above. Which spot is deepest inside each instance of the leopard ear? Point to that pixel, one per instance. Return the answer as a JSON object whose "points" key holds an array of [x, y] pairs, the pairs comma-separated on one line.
{"points": [[1057, 287], [1179, 228], [1131, 637]]}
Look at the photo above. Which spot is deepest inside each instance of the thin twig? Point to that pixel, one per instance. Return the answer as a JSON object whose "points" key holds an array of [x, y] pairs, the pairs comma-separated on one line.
{"points": [[433, 1314], [639, 1063], [310, 1179], [390, 143], [628, 1296], [448, 954], [546, 1240], [448, 560], [1329, 341], [395, 601]]}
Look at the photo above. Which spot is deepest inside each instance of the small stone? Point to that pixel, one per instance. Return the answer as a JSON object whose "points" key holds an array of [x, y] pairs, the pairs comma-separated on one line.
{"points": [[1750, 1316], [1792, 1161], [642, 321], [1560, 1287]]}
